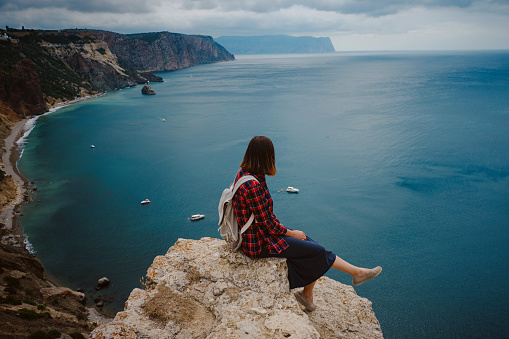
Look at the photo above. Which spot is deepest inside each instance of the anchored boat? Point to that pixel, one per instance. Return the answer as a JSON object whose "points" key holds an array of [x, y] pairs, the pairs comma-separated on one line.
{"points": [[197, 216]]}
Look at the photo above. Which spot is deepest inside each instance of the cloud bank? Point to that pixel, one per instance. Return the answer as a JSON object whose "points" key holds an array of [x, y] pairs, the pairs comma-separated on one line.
{"points": [[351, 25]]}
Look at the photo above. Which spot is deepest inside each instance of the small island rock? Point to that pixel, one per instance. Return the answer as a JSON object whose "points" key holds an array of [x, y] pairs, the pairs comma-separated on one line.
{"points": [[147, 90], [103, 282]]}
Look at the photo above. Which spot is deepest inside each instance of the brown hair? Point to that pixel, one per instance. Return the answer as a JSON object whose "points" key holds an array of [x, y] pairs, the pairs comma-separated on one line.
{"points": [[260, 157]]}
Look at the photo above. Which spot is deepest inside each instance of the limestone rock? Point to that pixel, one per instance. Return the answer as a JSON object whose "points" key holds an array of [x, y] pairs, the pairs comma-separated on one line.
{"points": [[201, 289], [17, 274], [162, 51], [52, 293], [150, 77], [147, 90], [103, 282]]}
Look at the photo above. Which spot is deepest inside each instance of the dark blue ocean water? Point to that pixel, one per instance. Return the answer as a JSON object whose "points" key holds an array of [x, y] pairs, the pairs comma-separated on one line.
{"points": [[401, 160]]}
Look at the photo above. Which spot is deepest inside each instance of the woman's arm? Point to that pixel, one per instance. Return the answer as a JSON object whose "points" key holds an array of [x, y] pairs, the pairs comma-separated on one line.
{"points": [[260, 204], [296, 234]]}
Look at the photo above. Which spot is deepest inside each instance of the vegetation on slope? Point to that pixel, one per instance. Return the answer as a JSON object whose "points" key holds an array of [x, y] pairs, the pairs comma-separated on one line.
{"points": [[57, 80]]}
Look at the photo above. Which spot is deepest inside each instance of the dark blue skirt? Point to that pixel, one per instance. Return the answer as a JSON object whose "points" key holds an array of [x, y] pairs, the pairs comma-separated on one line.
{"points": [[307, 260]]}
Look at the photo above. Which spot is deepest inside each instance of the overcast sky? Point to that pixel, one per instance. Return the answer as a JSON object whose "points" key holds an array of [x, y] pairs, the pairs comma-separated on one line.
{"points": [[352, 25]]}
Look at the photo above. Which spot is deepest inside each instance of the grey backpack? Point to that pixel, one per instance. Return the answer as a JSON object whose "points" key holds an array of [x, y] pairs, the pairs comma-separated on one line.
{"points": [[228, 227]]}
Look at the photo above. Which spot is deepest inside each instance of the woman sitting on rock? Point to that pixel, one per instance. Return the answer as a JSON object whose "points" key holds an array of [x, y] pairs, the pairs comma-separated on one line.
{"points": [[307, 260]]}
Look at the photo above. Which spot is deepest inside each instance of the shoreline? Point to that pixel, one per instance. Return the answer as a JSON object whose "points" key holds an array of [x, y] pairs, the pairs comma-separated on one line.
{"points": [[9, 213]]}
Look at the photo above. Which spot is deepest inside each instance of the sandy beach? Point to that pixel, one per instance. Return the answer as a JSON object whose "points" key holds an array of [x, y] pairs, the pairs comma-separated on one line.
{"points": [[9, 165]]}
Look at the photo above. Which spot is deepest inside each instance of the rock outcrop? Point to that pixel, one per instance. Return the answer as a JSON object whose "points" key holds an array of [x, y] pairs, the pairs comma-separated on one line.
{"points": [[201, 289], [102, 283], [148, 90], [162, 51], [29, 304]]}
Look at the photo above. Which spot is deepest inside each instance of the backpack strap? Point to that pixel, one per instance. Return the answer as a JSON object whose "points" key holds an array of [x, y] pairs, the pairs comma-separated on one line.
{"points": [[242, 180], [239, 183], [248, 223]]}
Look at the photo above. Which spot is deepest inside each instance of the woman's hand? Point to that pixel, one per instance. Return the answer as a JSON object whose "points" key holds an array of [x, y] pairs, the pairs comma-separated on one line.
{"points": [[296, 234]]}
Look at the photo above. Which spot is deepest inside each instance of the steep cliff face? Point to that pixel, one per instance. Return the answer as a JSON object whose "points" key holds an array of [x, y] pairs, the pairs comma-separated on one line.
{"points": [[72, 63], [163, 51], [201, 289], [20, 89], [92, 61]]}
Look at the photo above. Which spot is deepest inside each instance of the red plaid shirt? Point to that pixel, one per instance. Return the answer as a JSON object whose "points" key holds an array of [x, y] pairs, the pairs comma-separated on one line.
{"points": [[266, 230]]}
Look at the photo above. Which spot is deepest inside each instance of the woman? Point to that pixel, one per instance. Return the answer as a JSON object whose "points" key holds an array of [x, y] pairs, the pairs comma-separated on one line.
{"points": [[307, 260]]}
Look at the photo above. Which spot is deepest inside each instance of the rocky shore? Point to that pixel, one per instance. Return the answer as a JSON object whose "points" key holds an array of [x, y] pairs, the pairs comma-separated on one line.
{"points": [[15, 189]]}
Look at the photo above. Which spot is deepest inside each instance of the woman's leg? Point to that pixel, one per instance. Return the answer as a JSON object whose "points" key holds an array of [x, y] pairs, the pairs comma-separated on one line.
{"points": [[302, 254], [359, 274], [344, 266], [341, 265], [308, 291]]}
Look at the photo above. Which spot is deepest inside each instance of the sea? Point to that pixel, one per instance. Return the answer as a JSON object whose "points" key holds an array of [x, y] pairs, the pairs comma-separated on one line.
{"points": [[401, 159]]}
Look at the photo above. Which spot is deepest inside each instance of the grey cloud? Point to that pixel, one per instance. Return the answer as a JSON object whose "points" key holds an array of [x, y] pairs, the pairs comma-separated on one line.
{"points": [[87, 6], [367, 7], [432, 20], [373, 8]]}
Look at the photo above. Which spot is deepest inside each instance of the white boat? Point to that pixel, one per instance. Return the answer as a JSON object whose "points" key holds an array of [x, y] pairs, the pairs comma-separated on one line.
{"points": [[92, 146], [164, 119], [291, 189], [146, 201], [197, 216]]}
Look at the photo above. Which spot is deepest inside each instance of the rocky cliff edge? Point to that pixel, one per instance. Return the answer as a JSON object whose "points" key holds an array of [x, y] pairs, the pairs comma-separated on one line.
{"points": [[201, 289]]}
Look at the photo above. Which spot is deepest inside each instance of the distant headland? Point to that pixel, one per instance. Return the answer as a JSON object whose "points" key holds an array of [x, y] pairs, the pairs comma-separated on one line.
{"points": [[276, 44]]}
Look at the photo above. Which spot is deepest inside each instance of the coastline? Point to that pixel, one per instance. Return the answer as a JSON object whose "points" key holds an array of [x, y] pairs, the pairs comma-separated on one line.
{"points": [[9, 213]]}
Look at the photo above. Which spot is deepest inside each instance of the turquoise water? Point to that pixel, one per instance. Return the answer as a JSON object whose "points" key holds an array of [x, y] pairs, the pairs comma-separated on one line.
{"points": [[401, 161]]}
